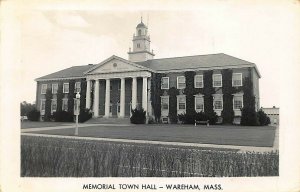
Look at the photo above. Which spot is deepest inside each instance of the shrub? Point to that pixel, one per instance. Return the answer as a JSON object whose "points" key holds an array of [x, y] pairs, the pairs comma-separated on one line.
{"points": [[187, 118], [138, 116], [263, 118], [85, 114], [201, 116], [213, 118], [249, 117], [33, 115], [62, 116]]}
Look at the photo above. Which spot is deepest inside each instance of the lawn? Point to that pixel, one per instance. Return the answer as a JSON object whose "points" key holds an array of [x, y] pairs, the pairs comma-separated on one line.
{"points": [[222, 135], [40, 124], [54, 157]]}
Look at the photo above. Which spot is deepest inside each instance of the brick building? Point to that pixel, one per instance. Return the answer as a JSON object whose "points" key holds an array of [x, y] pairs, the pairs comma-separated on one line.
{"points": [[162, 87]]}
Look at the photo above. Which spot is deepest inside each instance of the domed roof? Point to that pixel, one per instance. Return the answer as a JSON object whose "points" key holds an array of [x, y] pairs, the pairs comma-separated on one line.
{"points": [[140, 25]]}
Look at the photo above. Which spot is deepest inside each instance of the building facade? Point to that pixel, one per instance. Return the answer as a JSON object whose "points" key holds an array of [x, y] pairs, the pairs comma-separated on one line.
{"points": [[273, 114], [164, 87]]}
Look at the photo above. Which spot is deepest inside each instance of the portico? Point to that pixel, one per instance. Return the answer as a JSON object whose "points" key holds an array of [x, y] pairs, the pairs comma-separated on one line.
{"points": [[114, 88]]}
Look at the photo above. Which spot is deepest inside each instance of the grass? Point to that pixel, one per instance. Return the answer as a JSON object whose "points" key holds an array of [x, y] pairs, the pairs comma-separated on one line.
{"points": [[222, 135], [54, 157], [40, 124]]}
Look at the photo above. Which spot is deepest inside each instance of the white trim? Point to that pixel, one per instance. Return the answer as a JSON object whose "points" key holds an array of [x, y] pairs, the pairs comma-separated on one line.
{"points": [[53, 88], [60, 78], [162, 81], [201, 81], [241, 75], [64, 87], [42, 93], [178, 81], [195, 104], [120, 59], [213, 77]]}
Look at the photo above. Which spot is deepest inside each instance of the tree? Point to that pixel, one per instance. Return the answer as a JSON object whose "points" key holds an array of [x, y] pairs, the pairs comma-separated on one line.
{"points": [[26, 108], [263, 118]]}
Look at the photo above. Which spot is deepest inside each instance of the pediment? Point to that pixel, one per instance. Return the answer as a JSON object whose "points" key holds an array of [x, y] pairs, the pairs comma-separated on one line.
{"points": [[115, 64]]}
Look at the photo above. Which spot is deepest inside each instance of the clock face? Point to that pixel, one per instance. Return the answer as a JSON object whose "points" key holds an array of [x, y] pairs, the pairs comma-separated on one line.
{"points": [[115, 65]]}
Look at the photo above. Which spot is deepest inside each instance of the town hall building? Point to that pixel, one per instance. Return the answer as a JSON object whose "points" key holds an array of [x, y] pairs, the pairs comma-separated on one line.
{"points": [[162, 87]]}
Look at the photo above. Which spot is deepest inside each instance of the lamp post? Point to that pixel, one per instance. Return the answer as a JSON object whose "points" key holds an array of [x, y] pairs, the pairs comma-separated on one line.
{"points": [[77, 111]]}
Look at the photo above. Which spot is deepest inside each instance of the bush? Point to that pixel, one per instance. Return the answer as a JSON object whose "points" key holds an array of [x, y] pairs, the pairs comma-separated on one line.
{"points": [[138, 116], [62, 116], [187, 118], [249, 117], [33, 115], [85, 114], [263, 118]]}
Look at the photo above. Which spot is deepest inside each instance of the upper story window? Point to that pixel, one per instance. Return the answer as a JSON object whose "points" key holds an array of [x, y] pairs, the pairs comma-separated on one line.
{"points": [[140, 32], [217, 80], [138, 45], [198, 80], [165, 103], [44, 89], [181, 82], [66, 88], [181, 102], [77, 87], [199, 103], [237, 79], [238, 102], [218, 102], [54, 88], [165, 83]]}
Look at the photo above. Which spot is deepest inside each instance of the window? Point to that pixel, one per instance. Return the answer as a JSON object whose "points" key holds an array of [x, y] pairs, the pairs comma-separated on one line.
{"points": [[43, 105], [237, 79], [44, 89], [217, 80], [66, 88], [54, 88], [181, 102], [140, 32], [198, 81], [77, 87], [165, 83], [65, 104], [199, 103], [165, 102], [218, 102], [181, 82], [237, 102], [53, 105], [138, 45]]}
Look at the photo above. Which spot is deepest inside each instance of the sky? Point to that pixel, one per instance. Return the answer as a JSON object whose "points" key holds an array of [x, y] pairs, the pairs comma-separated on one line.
{"points": [[53, 39]]}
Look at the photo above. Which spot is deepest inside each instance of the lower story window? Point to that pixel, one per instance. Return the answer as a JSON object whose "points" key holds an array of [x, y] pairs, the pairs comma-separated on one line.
{"points": [[199, 104], [237, 102], [218, 102], [53, 105], [43, 106], [181, 102], [65, 104], [165, 103]]}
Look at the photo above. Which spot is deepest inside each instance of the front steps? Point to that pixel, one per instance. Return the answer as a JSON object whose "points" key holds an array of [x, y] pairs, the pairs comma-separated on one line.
{"points": [[110, 120]]}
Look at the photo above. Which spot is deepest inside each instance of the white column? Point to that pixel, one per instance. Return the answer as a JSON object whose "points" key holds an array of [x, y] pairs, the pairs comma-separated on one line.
{"points": [[134, 93], [149, 98], [107, 98], [88, 95], [96, 98], [145, 95], [122, 98]]}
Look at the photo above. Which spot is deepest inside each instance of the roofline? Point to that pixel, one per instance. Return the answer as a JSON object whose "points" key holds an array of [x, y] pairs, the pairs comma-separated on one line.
{"points": [[59, 78], [120, 59], [207, 68], [185, 56]]}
